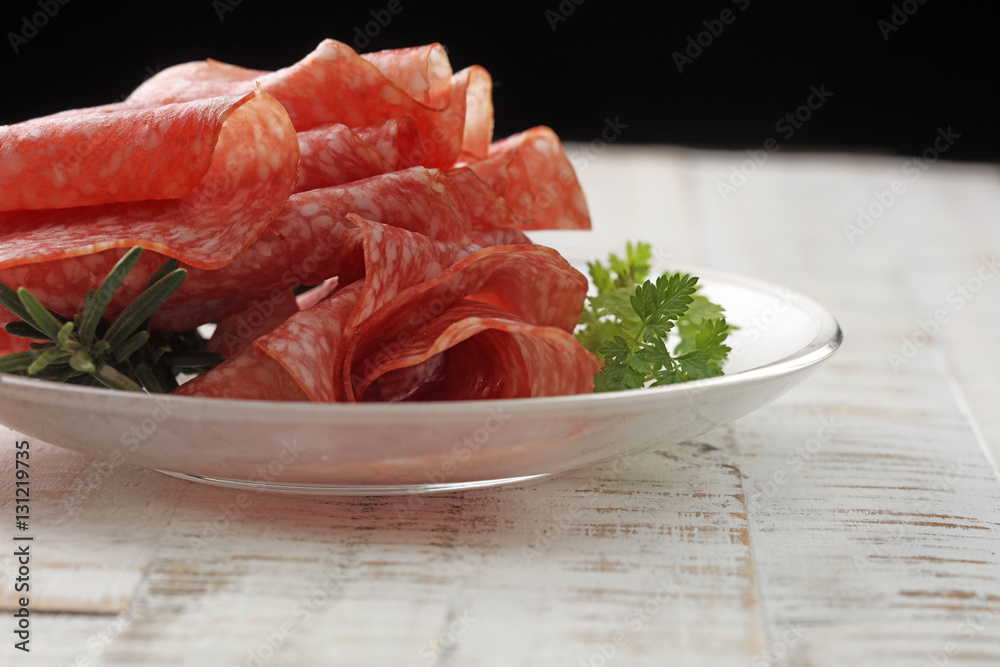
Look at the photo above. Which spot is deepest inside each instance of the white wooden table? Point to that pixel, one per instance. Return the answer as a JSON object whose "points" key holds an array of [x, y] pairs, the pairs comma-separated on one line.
{"points": [[852, 522]]}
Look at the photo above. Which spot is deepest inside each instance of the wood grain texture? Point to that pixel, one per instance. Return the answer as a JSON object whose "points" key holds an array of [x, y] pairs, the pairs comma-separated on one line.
{"points": [[854, 521]]}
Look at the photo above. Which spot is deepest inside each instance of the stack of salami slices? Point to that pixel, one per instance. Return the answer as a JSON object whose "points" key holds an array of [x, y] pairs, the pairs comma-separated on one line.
{"points": [[370, 177]]}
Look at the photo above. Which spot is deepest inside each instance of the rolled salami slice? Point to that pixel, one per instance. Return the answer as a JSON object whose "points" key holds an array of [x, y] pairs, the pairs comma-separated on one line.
{"points": [[475, 350], [503, 315], [532, 283]]}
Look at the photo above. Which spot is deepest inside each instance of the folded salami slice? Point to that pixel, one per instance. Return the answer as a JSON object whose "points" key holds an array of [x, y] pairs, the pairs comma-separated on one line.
{"points": [[103, 158], [396, 141], [531, 172], [424, 72], [253, 156], [303, 245], [335, 154], [257, 372], [333, 84]]}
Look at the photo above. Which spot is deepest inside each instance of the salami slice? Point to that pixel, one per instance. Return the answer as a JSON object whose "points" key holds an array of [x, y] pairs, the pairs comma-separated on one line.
{"points": [[246, 375], [248, 372], [103, 158], [335, 154], [476, 350], [532, 283], [303, 245], [424, 72], [487, 210], [237, 331], [532, 173], [504, 315], [396, 141], [333, 84], [9, 344], [251, 174]]}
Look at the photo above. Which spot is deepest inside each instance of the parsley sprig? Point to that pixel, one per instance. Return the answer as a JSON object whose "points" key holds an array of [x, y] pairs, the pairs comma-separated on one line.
{"points": [[650, 332], [89, 349]]}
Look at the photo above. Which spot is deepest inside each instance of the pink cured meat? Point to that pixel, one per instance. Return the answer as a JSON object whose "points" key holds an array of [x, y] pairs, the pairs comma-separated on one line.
{"points": [[396, 141], [235, 332], [303, 245], [516, 304], [264, 314], [335, 84], [251, 372], [424, 72], [247, 375], [9, 344], [531, 172], [251, 174], [487, 210], [335, 154], [475, 350], [105, 158], [310, 345], [533, 283]]}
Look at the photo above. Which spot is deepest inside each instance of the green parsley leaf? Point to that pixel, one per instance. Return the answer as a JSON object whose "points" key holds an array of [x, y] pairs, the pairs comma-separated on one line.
{"points": [[650, 332]]}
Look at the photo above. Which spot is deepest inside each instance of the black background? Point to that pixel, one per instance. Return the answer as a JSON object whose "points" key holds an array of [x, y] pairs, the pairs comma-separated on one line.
{"points": [[605, 60]]}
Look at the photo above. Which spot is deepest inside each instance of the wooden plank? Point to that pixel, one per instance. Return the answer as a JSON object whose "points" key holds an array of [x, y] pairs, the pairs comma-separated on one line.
{"points": [[640, 558], [94, 526], [873, 507]]}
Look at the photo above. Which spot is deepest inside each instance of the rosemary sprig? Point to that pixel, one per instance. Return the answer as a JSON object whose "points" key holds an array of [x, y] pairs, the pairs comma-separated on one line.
{"points": [[89, 349]]}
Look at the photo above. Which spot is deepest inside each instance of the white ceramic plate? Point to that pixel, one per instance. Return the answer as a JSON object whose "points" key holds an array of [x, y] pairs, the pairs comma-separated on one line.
{"points": [[422, 447]]}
